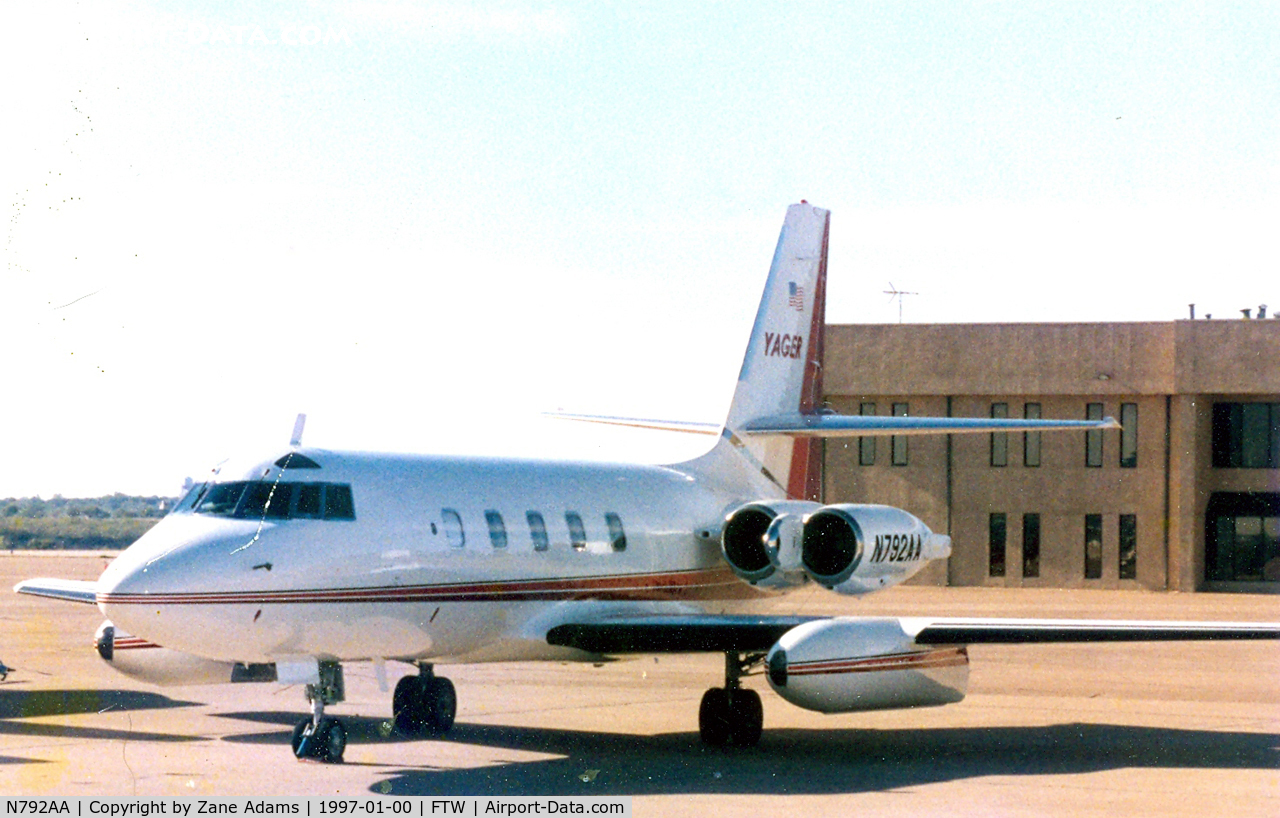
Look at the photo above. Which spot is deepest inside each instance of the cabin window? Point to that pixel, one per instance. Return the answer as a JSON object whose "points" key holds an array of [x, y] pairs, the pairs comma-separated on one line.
{"points": [[577, 531], [497, 529], [537, 531], [453, 530], [617, 536]]}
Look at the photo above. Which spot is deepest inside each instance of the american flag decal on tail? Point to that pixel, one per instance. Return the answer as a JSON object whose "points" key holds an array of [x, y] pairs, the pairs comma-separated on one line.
{"points": [[795, 296]]}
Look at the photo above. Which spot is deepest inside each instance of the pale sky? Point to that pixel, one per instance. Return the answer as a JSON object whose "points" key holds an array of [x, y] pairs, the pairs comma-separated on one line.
{"points": [[424, 223]]}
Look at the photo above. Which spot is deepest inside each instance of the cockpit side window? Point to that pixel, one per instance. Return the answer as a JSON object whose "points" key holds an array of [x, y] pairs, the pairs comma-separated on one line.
{"points": [[497, 529], [577, 531], [308, 500], [276, 500], [264, 499], [221, 499], [337, 502], [453, 530]]}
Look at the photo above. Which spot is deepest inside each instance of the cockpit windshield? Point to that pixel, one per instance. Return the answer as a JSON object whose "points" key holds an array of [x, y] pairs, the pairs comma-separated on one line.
{"points": [[270, 500]]}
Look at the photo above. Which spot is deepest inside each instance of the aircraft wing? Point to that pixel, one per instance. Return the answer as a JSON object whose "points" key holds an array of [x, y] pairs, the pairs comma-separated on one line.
{"points": [[69, 590], [710, 633]]}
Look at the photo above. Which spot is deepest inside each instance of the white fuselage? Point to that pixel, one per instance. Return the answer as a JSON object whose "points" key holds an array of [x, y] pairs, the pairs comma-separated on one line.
{"points": [[421, 571]]}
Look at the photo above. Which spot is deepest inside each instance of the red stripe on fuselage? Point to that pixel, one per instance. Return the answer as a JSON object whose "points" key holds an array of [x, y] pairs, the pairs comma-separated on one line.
{"points": [[716, 583]]}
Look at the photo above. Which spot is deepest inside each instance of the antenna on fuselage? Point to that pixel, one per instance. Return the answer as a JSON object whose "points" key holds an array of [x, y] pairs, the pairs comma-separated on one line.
{"points": [[296, 439]]}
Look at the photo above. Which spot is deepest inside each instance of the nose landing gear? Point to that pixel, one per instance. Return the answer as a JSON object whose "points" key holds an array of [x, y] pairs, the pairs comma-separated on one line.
{"points": [[424, 704], [317, 737]]}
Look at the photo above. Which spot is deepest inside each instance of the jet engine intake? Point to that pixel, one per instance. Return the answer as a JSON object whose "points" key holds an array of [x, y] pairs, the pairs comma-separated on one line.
{"points": [[761, 542], [855, 549], [849, 664], [148, 662]]}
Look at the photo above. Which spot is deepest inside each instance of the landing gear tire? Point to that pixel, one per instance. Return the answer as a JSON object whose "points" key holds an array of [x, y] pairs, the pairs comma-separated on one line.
{"points": [[424, 705], [714, 717], [325, 743], [730, 717]]}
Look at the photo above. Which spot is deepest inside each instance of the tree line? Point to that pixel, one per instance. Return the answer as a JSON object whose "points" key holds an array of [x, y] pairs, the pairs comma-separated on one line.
{"points": [[110, 522]]}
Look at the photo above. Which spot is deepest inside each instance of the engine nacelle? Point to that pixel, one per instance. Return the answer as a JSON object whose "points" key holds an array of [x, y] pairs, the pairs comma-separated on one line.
{"points": [[844, 665], [856, 549], [149, 662], [761, 542]]}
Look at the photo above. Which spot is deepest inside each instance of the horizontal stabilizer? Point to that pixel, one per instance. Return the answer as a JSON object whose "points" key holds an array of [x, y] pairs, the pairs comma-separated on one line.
{"points": [[69, 590], [798, 425]]}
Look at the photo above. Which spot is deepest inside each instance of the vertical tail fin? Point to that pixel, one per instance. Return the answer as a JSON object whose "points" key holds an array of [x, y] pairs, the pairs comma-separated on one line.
{"points": [[782, 370]]}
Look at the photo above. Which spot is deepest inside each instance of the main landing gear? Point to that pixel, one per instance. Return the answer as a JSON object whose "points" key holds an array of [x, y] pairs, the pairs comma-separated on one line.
{"points": [[732, 714], [424, 704], [317, 737]]}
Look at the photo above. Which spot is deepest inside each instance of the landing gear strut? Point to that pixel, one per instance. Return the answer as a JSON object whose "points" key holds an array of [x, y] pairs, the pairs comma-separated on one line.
{"points": [[317, 737], [732, 714], [424, 704]]}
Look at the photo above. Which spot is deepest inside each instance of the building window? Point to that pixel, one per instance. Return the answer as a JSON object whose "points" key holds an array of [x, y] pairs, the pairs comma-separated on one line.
{"points": [[1128, 435], [1031, 440], [497, 529], [537, 531], [1128, 546], [1093, 437], [1093, 546], [898, 443], [867, 445], [1246, 435], [1242, 537], [999, 440], [997, 524], [1030, 545], [577, 531]]}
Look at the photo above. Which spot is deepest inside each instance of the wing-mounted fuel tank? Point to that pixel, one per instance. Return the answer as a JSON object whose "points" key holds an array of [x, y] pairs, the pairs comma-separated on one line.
{"points": [[148, 662], [761, 542], [851, 549], [844, 665]]}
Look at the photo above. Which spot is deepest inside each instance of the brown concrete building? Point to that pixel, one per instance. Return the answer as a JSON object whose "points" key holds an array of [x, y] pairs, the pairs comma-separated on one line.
{"points": [[1186, 497]]}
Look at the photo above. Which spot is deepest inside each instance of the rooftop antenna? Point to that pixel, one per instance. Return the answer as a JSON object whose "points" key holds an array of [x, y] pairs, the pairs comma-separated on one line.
{"points": [[893, 292]]}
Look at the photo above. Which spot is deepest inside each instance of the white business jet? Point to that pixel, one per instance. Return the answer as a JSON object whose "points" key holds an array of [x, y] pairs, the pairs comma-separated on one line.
{"points": [[284, 568]]}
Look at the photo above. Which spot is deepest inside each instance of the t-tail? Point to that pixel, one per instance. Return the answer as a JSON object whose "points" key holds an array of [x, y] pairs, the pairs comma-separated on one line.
{"points": [[781, 373]]}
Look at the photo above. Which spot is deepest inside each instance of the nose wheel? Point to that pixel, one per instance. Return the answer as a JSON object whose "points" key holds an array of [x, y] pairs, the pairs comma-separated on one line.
{"points": [[424, 704], [317, 737], [732, 714]]}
